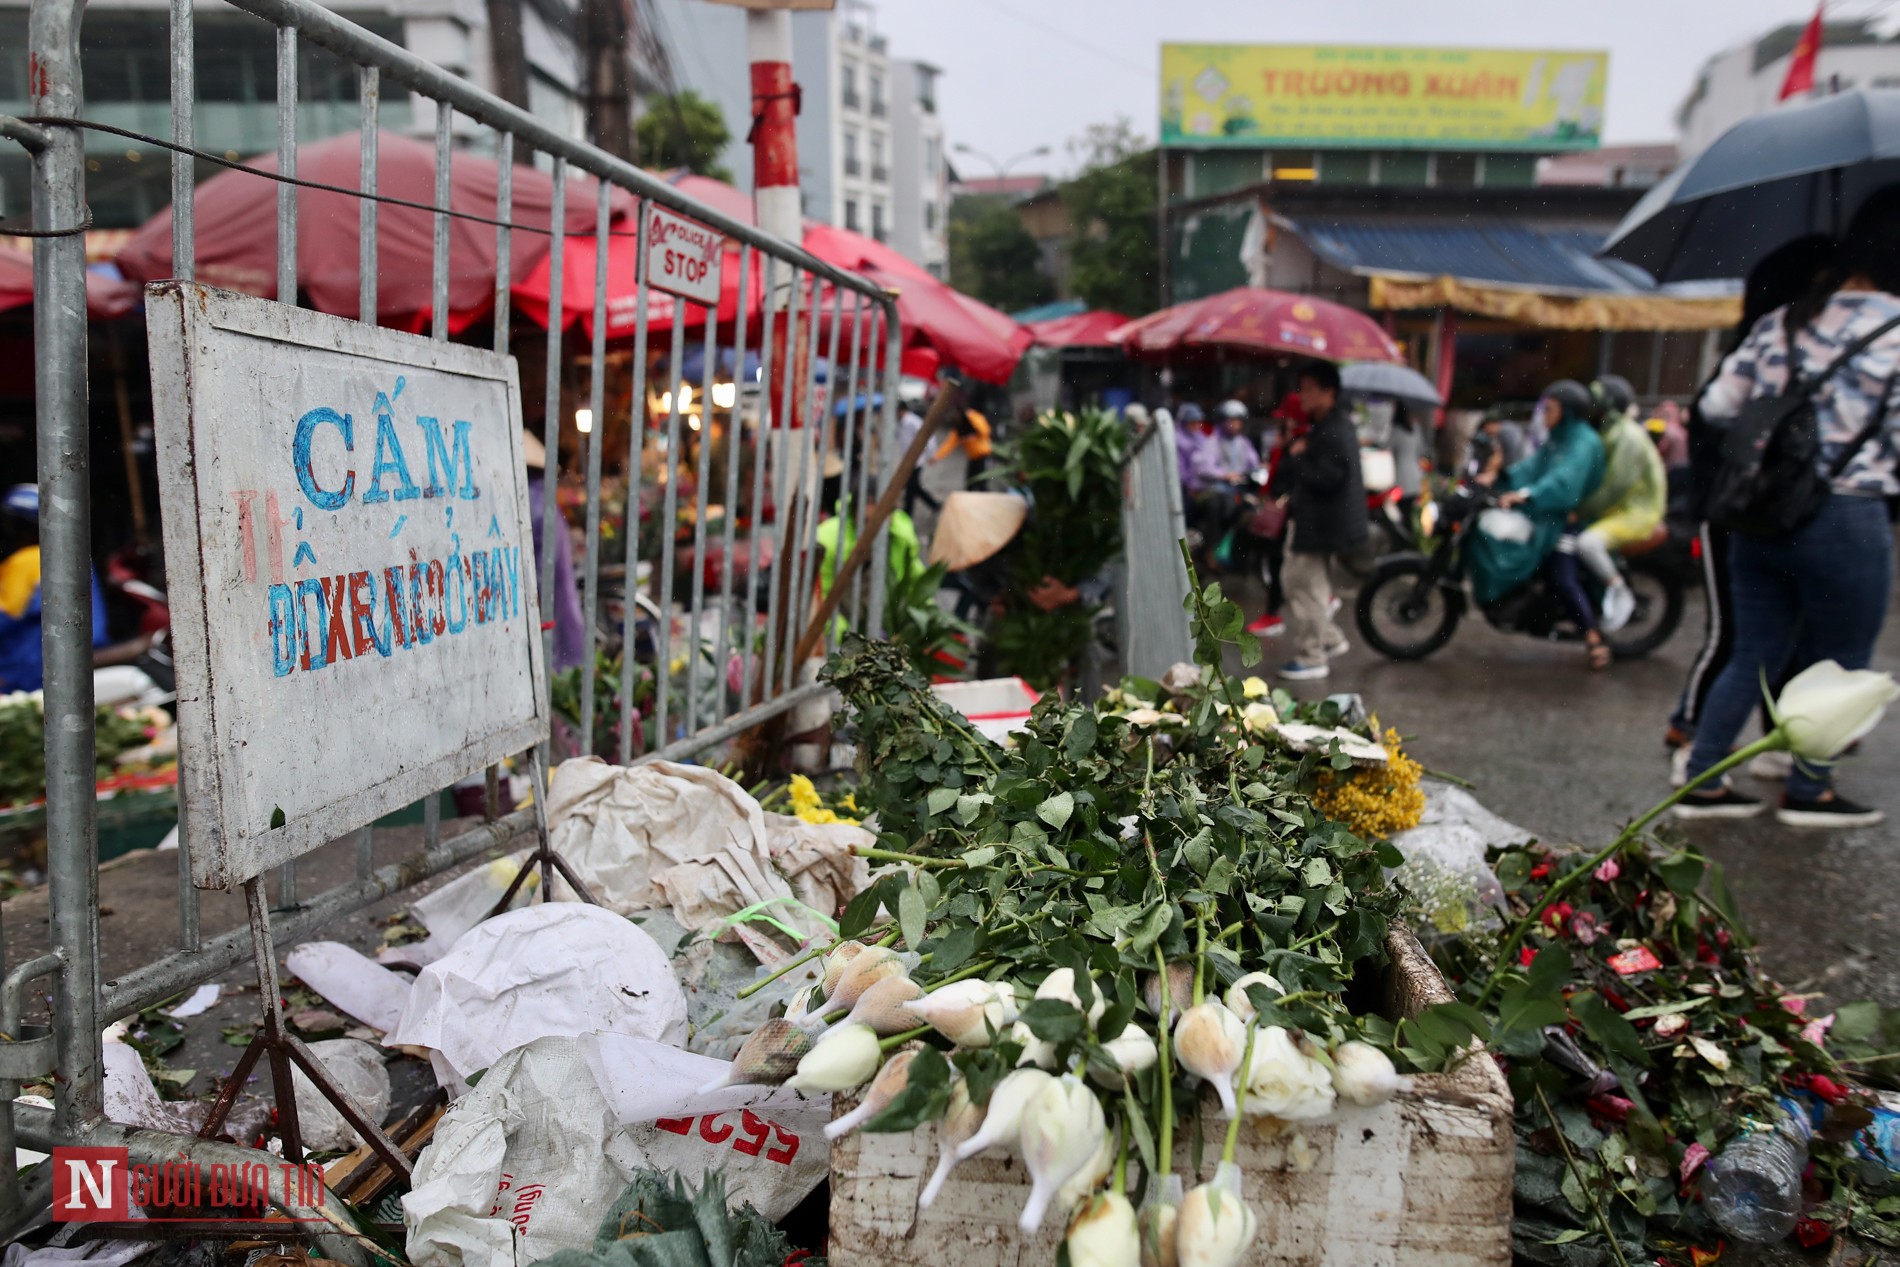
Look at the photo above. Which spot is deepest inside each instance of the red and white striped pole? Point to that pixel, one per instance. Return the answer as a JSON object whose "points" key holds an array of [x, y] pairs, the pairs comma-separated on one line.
{"points": [[775, 189]]}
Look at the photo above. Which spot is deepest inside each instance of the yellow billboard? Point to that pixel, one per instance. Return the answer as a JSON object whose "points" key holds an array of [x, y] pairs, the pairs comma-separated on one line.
{"points": [[1334, 96]]}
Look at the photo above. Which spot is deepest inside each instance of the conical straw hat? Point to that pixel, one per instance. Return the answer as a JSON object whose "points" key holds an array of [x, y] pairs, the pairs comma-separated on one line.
{"points": [[973, 526]]}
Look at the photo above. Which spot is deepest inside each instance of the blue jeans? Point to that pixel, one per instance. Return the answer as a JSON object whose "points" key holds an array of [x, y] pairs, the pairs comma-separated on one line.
{"points": [[1825, 584]]}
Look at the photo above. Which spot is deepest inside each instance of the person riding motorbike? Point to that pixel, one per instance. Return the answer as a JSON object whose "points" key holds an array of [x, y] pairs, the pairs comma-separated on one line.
{"points": [[1627, 506], [1222, 466], [1543, 490]]}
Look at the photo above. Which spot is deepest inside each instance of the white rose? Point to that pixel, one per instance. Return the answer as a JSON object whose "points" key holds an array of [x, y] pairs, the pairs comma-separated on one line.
{"points": [[1209, 1041], [1824, 707], [1103, 1233], [1240, 1002], [844, 1058], [1364, 1075], [1215, 1226], [1061, 1130], [1259, 717], [1284, 1082]]}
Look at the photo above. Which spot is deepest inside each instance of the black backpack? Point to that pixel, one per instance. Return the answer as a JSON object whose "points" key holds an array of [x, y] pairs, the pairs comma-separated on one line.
{"points": [[1768, 480]]}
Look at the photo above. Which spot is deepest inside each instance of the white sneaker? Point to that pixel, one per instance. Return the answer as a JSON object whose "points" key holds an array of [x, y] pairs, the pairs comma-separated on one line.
{"points": [[1619, 604], [1772, 767], [1339, 648], [1333, 605], [1679, 766]]}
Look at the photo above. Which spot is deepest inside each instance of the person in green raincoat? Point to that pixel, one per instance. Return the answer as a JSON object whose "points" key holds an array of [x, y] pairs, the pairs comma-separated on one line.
{"points": [[903, 562], [1544, 488]]}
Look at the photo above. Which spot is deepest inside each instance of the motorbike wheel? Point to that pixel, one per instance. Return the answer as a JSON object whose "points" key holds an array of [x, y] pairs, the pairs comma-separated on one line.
{"points": [[1403, 615], [1659, 603]]}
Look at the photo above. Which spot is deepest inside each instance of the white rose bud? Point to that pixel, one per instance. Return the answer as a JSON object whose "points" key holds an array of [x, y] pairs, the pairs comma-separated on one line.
{"points": [[968, 1013], [1215, 1225], [1133, 1050], [1060, 984], [844, 1058], [1061, 1129], [1255, 688], [1259, 717], [1824, 707], [1088, 1179], [1284, 1082], [1003, 1117], [1035, 1051], [1364, 1074], [960, 1121], [1208, 1042], [1157, 1222], [1238, 1000], [1103, 1233], [889, 1083]]}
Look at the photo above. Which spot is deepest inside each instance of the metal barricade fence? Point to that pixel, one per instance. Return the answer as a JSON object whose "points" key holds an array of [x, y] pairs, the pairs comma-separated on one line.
{"points": [[786, 472], [1153, 629]]}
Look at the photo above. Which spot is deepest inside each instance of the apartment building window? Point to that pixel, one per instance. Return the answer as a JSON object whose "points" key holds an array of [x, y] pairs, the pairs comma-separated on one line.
{"points": [[853, 164], [878, 228], [930, 217], [926, 89], [848, 80], [877, 94], [879, 170], [851, 215]]}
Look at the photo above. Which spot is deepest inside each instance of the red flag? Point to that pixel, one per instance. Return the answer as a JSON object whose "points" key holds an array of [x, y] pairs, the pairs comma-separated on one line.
{"points": [[1801, 66]]}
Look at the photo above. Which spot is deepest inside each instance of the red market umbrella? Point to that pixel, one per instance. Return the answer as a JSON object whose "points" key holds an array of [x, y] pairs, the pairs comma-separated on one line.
{"points": [[105, 296], [1083, 330], [940, 324], [235, 216], [1262, 321]]}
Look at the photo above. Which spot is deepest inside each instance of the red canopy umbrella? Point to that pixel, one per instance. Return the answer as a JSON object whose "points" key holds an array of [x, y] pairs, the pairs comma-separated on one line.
{"points": [[1083, 330], [105, 296], [940, 324], [1263, 321], [235, 216]]}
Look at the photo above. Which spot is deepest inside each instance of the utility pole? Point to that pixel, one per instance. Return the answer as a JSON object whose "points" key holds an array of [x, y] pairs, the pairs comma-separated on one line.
{"points": [[607, 27]]}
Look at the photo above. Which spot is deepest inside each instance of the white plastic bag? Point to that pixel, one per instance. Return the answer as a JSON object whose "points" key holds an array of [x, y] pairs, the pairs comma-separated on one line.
{"points": [[358, 1068], [1505, 524], [458, 906], [351, 982], [552, 968], [688, 838], [530, 1161]]}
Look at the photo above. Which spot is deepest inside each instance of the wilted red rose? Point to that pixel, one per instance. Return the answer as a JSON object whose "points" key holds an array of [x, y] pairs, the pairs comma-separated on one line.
{"points": [[1557, 918], [1810, 1233], [1540, 871]]}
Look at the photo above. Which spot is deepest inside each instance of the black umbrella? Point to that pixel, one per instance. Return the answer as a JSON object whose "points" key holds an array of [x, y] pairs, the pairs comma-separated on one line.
{"points": [[1790, 173]]}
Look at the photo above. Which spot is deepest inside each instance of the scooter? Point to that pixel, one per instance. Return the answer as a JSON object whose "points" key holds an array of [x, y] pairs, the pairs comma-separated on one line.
{"points": [[1411, 604], [1252, 543]]}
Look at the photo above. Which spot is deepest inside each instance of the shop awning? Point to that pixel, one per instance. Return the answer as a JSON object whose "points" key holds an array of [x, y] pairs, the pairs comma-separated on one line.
{"points": [[1538, 275]]}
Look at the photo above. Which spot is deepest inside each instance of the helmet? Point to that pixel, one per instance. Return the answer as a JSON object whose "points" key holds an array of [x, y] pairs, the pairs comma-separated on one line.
{"points": [[1190, 413], [1613, 394], [22, 501], [1571, 396], [1231, 409]]}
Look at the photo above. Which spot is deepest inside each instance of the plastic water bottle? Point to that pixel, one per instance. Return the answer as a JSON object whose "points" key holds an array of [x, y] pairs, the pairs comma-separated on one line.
{"points": [[1752, 1188]]}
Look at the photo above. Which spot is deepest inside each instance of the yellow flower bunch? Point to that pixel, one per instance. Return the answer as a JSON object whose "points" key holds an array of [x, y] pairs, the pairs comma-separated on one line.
{"points": [[1378, 802], [810, 808]]}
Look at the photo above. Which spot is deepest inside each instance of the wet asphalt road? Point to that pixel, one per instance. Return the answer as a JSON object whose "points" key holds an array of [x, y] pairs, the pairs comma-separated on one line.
{"points": [[1572, 756]]}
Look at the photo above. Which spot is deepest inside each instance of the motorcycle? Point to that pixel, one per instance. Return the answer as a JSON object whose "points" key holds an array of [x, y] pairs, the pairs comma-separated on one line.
{"points": [[1387, 516], [1251, 544], [1411, 604]]}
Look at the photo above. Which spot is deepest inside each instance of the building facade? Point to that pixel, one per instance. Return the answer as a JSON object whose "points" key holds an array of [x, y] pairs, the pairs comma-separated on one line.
{"points": [[1746, 80], [920, 177]]}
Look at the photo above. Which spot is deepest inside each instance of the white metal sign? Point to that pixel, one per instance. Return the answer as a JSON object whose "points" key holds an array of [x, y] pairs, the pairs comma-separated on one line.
{"points": [[351, 570], [683, 256]]}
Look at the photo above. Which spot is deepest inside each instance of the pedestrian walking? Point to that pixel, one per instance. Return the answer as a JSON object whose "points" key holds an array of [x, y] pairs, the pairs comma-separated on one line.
{"points": [[972, 434], [1326, 510], [1796, 272], [1824, 583]]}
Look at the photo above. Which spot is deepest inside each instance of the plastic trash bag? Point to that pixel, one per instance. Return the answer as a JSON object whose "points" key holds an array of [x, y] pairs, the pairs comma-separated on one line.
{"points": [[531, 1160], [351, 982], [458, 906], [358, 1068], [1444, 860], [552, 968], [690, 839]]}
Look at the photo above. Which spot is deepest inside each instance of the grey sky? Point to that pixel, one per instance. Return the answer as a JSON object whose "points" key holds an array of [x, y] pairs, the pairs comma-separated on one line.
{"points": [[1023, 73]]}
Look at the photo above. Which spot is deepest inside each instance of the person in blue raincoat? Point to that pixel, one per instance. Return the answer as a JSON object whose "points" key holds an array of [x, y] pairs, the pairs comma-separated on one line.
{"points": [[1544, 489]]}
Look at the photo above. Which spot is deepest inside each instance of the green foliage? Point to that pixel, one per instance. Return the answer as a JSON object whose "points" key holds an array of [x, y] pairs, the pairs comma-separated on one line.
{"points": [[931, 637], [23, 746], [659, 1222], [993, 258], [1114, 250], [1071, 464], [683, 129], [1107, 846]]}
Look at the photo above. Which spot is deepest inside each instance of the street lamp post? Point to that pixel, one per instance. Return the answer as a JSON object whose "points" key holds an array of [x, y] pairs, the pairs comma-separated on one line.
{"points": [[1002, 169]]}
